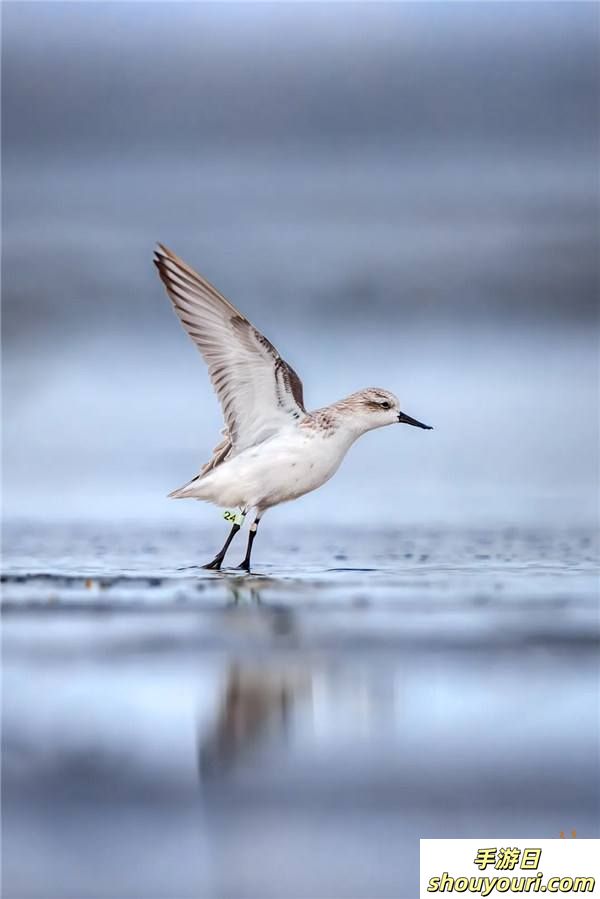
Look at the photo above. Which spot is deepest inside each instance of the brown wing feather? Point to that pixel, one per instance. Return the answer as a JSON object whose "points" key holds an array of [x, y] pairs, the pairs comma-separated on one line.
{"points": [[258, 390]]}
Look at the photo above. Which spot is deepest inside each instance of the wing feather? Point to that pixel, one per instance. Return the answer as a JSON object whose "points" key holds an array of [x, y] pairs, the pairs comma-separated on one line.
{"points": [[258, 391]]}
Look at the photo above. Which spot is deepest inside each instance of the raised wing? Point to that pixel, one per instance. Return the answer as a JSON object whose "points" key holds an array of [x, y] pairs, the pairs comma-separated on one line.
{"points": [[258, 391]]}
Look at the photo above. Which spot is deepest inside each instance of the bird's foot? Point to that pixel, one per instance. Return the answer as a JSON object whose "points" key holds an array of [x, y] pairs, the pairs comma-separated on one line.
{"points": [[215, 565], [243, 566]]}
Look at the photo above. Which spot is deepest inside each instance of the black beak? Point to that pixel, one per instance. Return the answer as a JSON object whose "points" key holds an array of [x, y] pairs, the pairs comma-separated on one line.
{"points": [[407, 420]]}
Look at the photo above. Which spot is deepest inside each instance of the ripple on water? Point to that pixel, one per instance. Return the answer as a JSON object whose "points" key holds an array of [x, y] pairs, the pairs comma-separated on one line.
{"points": [[431, 588]]}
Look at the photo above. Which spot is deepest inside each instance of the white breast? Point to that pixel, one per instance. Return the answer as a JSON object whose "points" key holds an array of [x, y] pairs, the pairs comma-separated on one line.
{"points": [[285, 467]]}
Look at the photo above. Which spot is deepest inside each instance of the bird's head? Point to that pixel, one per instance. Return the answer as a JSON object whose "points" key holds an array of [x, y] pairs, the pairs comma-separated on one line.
{"points": [[376, 408]]}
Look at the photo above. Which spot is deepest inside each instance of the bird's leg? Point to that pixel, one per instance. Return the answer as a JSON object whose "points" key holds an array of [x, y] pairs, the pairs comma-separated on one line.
{"points": [[245, 565], [218, 559]]}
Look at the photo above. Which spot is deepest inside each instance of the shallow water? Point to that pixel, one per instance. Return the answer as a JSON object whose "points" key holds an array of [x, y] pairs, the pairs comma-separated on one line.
{"points": [[172, 732]]}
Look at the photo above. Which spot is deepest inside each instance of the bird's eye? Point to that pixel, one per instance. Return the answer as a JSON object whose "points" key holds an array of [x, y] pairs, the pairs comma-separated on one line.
{"points": [[385, 405]]}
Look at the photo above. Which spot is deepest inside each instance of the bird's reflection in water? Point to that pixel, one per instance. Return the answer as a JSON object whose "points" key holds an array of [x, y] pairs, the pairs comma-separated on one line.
{"points": [[247, 611], [255, 705], [258, 695]]}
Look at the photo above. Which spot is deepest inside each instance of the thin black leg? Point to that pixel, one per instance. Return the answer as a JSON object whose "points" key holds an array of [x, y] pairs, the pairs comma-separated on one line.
{"points": [[245, 565], [218, 559]]}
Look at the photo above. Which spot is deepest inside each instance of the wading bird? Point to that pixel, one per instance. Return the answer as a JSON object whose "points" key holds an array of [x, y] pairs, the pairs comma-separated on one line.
{"points": [[273, 450]]}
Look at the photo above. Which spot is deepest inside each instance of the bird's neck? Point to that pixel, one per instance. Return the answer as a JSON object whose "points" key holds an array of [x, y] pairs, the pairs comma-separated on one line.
{"points": [[341, 421]]}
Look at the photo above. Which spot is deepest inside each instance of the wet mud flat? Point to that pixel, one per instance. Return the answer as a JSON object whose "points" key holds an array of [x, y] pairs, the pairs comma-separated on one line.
{"points": [[170, 732]]}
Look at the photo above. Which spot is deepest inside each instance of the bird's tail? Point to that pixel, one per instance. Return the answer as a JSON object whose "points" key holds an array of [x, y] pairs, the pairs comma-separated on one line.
{"points": [[186, 490]]}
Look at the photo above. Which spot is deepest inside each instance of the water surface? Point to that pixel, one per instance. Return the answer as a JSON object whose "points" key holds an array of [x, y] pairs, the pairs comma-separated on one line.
{"points": [[172, 732]]}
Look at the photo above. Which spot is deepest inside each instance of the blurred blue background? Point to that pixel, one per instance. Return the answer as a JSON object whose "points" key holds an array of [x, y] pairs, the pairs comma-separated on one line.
{"points": [[399, 195]]}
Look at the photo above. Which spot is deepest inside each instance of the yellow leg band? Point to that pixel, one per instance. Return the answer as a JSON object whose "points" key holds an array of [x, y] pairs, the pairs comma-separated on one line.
{"points": [[234, 517]]}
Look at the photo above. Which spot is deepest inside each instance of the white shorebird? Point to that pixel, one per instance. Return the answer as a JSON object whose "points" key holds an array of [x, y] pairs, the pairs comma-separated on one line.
{"points": [[273, 450]]}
